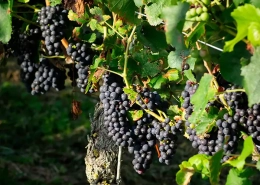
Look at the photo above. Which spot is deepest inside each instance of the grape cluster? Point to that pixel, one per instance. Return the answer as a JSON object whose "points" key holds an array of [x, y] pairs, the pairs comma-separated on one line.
{"points": [[223, 136], [139, 135], [47, 76], [198, 11], [26, 55], [52, 21], [83, 55]]}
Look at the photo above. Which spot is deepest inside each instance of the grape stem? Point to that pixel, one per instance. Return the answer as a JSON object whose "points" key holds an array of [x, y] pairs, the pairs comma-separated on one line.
{"points": [[129, 40], [27, 6], [23, 19], [114, 30], [119, 74], [235, 90], [44, 56]]}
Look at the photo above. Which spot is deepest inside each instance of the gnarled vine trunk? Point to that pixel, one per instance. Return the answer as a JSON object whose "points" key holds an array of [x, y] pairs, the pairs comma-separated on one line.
{"points": [[101, 157]]}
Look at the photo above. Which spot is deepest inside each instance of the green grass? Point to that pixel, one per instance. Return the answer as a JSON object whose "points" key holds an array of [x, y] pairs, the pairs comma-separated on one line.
{"points": [[39, 142]]}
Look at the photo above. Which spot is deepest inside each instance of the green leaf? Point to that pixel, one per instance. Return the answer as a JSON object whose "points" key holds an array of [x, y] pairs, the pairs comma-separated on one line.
{"points": [[251, 83], [202, 96], [125, 9], [200, 162], [256, 3], [183, 176], [236, 177], [54, 2], [151, 37], [135, 115], [172, 75], [247, 150], [206, 120], [138, 3], [237, 2], [196, 34], [258, 165], [191, 61], [215, 167], [244, 16], [230, 64], [5, 22], [130, 93], [175, 60], [23, 1], [94, 25], [153, 13], [254, 33], [157, 82], [174, 26], [190, 75], [75, 17], [88, 37]]}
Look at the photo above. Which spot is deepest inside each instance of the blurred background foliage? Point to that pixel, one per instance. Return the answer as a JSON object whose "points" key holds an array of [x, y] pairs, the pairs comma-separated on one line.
{"points": [[40, 144]]}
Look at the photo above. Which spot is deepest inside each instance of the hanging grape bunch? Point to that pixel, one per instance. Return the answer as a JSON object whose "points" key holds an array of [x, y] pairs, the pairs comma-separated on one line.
{"points": [[198, 10]]}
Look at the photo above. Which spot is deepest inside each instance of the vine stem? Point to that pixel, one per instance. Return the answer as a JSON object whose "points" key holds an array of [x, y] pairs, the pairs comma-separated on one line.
{"points": [[119, 74], [208, 69], [44, 56], [27, 6], [114, 30], [129, 40], [235, 90], [23, 19], [119, 158]]}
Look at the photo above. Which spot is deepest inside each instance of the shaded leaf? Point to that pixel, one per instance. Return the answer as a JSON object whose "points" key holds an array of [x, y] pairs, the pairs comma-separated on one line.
{"points": [[157, 82], [236, 177], [131, 94], [125, 9], [248, 148], [135, 115], [173, 27], [215, 167], [244, 16], [153, 13], [251, 83], [5, 22]]}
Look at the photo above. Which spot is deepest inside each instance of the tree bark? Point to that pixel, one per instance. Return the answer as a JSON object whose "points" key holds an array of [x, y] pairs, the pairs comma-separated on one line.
{"points": [[101, 157]]}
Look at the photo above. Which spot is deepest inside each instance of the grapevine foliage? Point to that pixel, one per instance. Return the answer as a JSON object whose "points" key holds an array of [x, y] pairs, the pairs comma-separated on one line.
{"points": [[162, 70]]}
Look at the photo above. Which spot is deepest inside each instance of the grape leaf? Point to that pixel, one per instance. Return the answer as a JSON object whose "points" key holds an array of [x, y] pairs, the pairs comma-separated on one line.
{"points": [[251, 81], [244, 16], [125, 9], [172, 75], [248, 148], [55, 2], [23, 1], [153, 13], [196, 34], [175, 60], [135, 115], [5, 22], [150, 37], [256, 3], [183, 176], [82, 19], [174, 26], [131, 94], [236, 177], [190, 75], [237, 2], [202, 96], [258, 165], [157, 82], [78, 32], [199, 162], [215, 167], [230, 64], [206, 121], [138, 3]]}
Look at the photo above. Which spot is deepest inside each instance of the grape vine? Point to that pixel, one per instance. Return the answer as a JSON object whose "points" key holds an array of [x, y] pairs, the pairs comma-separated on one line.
{"points": [[162, 70]]}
